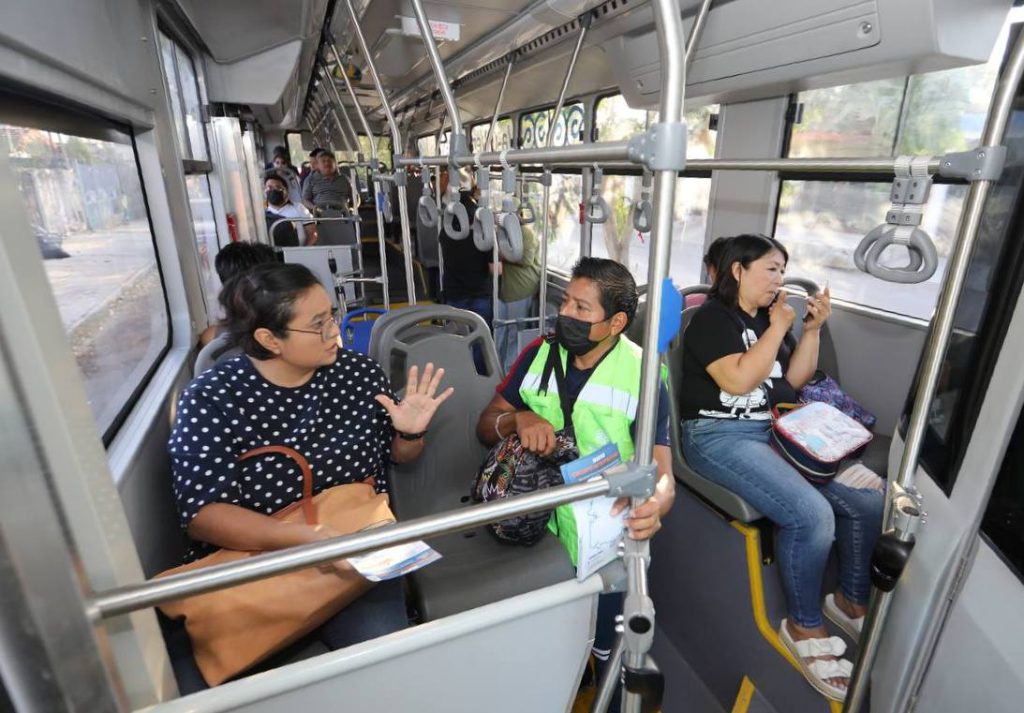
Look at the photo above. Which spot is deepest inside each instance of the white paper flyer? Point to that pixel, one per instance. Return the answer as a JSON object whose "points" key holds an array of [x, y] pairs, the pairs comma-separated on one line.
{"points": [[598, 531]]}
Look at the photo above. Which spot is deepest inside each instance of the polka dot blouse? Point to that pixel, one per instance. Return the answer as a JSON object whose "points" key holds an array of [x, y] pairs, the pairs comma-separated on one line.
{"points": [[333, 420]]}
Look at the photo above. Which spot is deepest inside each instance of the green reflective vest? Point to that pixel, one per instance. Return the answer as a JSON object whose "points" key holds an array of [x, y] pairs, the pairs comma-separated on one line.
{"points": [[603, 413]]}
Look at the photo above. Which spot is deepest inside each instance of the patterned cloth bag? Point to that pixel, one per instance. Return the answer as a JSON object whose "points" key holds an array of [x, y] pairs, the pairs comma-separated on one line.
{"points": [[509, 470], [815, 438], [823, 388]]}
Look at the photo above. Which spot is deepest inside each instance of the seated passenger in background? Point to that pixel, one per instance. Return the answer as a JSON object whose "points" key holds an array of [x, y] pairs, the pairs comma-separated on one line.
{"points": [[234, 259], [293, 386], [739, 360], [293, 233], [600, 302], [711, 258]]}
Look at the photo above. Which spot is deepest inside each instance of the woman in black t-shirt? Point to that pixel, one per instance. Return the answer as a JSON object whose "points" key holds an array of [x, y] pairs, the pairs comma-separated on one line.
{"points": [[739, 360]]}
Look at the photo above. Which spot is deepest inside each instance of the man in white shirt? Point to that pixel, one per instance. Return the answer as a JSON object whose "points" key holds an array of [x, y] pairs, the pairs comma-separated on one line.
{"points": [[292, 233]]}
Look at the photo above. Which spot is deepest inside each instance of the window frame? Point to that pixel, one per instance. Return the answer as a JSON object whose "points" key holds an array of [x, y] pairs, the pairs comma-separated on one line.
{"points": [[70, 120], [522, 113]]}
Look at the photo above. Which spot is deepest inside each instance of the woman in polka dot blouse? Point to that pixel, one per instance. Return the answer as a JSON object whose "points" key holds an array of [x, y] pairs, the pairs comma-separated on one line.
{"points": [[292, 386]]}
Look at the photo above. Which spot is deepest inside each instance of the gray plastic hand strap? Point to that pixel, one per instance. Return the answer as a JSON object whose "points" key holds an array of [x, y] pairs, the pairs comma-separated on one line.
{"points": [[597, 209], [527, 214], [387, 210], [642, 214], [455, 211], [426, 208], [510, 237], [483, 229], [924, 259]]}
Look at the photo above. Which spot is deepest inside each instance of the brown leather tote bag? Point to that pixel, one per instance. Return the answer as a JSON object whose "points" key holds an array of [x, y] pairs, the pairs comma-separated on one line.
{"points": [[234, 629]]}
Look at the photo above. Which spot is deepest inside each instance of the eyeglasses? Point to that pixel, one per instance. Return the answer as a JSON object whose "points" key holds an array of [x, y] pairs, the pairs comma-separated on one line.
{"points": [[326, 330]]}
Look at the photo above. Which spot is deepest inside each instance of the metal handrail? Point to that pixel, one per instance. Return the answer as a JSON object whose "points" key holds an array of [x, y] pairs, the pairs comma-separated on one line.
{"points": [[615, 154], [931, 366], [126, 599]]}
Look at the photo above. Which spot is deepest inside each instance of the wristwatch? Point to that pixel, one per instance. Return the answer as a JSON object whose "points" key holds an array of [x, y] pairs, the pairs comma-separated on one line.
{"points": [[411, 436]]}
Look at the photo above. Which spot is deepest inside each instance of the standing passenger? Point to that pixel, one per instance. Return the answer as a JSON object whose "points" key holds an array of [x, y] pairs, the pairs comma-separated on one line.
{"points": [[326, 187]]}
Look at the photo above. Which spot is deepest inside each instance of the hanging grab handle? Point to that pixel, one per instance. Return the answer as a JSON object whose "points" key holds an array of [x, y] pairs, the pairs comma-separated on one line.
{"points": [[910, 190], [597, 207], [643, 212], [426, 209], [509, 232], [455, 211]]}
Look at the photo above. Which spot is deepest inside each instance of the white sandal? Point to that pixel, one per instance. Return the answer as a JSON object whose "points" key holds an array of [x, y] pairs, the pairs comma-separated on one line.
{"points": [[850, 626], [816, 670]]}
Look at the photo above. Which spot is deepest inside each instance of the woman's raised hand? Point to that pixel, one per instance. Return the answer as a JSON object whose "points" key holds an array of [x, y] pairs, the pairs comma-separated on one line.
{"points": [[819, 308], [781, 312], [413, 414]]}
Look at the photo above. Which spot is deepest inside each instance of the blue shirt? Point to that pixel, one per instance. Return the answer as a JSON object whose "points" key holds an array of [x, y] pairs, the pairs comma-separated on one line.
{"points": [[574, 382]]}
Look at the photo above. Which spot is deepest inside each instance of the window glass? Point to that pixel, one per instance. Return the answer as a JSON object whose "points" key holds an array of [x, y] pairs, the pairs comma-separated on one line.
{"points": [[853, 120], [616, 238], [383, 149], [563, 213], [821, 223], [614, 120], [427, 145], [191, 105], [293, 141], [502, 138], [170, 65], [204, 226], [84, 201], [533, 127]]}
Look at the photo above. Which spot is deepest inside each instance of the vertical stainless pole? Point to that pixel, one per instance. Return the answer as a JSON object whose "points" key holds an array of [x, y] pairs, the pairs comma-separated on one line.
{"points": [[489, 140], [437, 200], [396, 147], [438, 66], [938, 339], [587, 229], [376, 183], [697, 30], [585, 21]]}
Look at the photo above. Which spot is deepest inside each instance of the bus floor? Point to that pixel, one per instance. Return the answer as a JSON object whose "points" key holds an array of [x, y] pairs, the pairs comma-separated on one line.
{"points": [[718, 608]]}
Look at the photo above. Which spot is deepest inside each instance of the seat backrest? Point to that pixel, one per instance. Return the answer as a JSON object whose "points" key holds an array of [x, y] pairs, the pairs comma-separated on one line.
{"points": [[335, 232], [442, 476], [218, 349]]}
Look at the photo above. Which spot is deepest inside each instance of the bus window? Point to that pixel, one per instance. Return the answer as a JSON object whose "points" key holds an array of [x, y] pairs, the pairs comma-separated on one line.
{"points": [[533, 127], [616, 239], [427, 145], [293, 141], [183, 88], [503, 135], [82, 194], [563, 212], [822, 222]]}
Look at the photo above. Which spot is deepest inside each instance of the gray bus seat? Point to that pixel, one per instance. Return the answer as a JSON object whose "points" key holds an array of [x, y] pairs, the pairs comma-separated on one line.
{"points": [[475, 568], [335, 232], [217, 349]]}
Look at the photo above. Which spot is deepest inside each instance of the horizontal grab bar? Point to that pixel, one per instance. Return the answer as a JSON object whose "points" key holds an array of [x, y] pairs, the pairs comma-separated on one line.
{"points": [[126, 599]]}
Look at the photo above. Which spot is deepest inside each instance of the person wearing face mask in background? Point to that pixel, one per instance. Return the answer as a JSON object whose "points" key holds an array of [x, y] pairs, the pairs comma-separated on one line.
{"points": [[602, 384], [291, 234]]}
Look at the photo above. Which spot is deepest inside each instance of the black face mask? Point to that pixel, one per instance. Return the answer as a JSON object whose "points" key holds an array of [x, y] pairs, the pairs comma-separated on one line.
{"points": [[275, 196], [574, 335]]}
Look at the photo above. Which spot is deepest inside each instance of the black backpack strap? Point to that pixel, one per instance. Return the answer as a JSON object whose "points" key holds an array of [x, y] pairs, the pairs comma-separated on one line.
{"points": [[554, 364]]}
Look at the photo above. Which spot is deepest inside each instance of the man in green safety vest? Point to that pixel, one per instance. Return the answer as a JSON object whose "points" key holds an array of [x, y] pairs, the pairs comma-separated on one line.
{"points": [[600, 384], [601, 368]]}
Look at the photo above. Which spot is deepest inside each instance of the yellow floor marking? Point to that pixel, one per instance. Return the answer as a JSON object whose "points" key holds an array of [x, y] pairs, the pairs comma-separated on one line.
{"points": [[753, 547], [744, 697]]}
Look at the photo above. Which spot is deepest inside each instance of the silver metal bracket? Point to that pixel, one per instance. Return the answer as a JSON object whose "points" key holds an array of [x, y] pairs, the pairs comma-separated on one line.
{"points": [[545, 178], [661, 148], [399, 177], [907, 510], [632, 481], [984, 163], [457, 147]]}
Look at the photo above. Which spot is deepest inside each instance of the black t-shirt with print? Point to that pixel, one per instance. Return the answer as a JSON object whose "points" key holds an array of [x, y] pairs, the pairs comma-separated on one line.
{"points": [[718, 330]]}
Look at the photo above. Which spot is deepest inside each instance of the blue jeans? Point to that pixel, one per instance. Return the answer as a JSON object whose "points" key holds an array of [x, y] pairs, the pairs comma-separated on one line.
{"points": [[506, 336], [736, 455]]}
